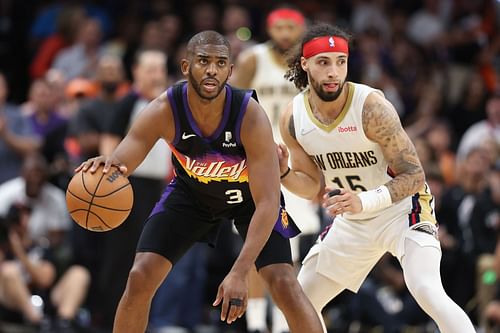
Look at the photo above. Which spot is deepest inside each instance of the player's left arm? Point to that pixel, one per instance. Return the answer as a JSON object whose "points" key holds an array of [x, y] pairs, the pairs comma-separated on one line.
{"points": [[263, 178], [382, 125]]}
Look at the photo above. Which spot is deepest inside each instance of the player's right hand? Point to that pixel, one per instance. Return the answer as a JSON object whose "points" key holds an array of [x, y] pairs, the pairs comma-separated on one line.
{"points": [[92, 164]]}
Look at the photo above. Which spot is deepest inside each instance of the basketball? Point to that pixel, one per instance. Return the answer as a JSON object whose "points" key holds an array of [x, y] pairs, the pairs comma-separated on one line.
{"points": [[97, 201]]}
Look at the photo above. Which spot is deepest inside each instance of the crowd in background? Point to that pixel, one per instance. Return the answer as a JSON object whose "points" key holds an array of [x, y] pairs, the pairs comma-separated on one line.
{"points": [[73, 74]]}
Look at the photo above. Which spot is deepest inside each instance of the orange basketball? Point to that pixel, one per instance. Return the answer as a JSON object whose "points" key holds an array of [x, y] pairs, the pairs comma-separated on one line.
{"points": [[98, 201]]}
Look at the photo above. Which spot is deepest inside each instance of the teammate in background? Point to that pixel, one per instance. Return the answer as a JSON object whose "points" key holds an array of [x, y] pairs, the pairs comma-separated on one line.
{"points": [[350, 134], [225, 169], [263, 68]]}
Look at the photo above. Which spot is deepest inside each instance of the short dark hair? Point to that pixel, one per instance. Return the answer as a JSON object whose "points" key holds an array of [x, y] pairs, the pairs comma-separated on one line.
{"points": [[295, 72], [207, 37]]}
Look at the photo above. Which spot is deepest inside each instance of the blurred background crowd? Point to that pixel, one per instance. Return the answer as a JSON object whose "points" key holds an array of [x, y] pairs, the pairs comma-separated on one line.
{"points": [[73, 74]]}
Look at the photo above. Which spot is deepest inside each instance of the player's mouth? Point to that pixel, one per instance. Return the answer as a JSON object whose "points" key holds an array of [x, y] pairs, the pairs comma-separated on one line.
{"points": [[210, 85], [331, 86]]}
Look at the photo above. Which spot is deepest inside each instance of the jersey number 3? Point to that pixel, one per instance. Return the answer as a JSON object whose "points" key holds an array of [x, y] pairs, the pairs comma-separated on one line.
{"points": [[234, 196]]}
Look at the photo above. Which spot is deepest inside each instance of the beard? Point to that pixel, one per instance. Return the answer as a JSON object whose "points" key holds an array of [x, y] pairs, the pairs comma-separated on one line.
{"points": [[280, 50], [324, 95], [197, 87]]}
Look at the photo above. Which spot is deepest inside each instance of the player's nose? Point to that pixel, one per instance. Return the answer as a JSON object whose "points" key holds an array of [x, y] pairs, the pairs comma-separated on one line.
{"points": [[212, 69]]}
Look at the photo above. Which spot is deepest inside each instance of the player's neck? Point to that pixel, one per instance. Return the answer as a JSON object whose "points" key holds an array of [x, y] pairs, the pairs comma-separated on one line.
{"points": [[278, 56], [326, 112], [206, 112]]}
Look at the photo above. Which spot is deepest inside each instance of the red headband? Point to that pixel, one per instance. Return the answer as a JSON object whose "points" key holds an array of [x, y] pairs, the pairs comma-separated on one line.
{"points": [[325, 44], [285, 14]]}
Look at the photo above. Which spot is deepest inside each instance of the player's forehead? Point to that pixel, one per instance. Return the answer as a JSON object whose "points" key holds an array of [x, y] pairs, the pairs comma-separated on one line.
{"points": [[285, 23], [333, 56], [211, 51]]}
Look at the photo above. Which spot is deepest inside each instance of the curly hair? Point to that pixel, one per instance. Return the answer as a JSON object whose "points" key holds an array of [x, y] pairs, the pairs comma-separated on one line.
{"points": [[295, 72]]}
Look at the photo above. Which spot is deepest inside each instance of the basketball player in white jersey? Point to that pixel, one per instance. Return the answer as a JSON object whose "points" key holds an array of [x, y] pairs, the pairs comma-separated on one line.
{"points": [[351, 135], [263, 68]]}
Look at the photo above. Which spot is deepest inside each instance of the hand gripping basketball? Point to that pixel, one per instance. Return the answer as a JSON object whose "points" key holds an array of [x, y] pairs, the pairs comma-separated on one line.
{"points": [[99, 201]]}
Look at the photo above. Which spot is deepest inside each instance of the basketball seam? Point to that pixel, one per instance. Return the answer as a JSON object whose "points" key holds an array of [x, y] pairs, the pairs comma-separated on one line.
{"points": [[112, 192], [92, 200], [102, 221], [100, 206]]}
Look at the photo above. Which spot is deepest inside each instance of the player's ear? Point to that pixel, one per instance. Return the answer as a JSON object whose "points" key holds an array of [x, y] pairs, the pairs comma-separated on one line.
{"points": [[185, 66], [230, 70], [303, 63]]}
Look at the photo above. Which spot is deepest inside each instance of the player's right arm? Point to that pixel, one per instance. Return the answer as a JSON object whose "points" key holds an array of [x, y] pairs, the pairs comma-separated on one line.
{"points": [[244, 70], [154, 122], [304, 177]]}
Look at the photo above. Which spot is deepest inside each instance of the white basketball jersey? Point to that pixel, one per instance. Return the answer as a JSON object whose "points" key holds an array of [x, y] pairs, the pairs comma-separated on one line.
{"points": [[273, 90], [346, 157]]}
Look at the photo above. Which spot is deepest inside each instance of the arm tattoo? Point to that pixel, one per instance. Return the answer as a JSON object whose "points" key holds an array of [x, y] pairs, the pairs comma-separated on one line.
{"points": [[291, 127], [382, 125]]}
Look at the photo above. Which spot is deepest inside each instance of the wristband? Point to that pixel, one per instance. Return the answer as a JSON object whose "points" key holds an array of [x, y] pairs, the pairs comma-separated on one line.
{"points": [[286, 173], [375, 200]]}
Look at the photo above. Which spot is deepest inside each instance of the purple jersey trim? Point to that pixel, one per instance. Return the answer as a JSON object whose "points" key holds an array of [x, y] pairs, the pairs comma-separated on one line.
{"points": [[288, 230], [225, 116], [159, 206], [241, 114], [170, 95]]}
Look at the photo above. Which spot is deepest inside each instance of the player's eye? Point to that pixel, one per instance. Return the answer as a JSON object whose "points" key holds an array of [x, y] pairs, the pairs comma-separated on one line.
{"points": [[203, 61], [222, 63]]}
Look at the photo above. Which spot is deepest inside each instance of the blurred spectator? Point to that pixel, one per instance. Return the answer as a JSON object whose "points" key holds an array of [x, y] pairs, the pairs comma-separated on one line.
{"points": [[25, 266], [80, 59], [440, 138], [48, 125], [458, 226], [491, 218], [151, 38], [429, 107], [48, 218], [426, 26], [92, 117], [370, 14], [37, 236], [148, 179], [68, 21], [171, 27], [464, 40], [486, 215], [483, 130], [46, 21], [16, 139], [237, 28], [204, 15], [470, 107]]}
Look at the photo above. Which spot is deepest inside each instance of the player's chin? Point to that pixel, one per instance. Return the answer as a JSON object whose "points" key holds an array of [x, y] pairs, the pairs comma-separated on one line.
{"points": [[210, 93]]}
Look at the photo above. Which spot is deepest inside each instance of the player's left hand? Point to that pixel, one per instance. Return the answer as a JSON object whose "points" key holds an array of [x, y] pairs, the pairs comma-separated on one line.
{"points": [[233, 293], [344, 202]]}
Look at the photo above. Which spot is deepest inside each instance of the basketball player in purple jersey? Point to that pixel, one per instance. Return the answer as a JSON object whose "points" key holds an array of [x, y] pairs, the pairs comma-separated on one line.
{"points": [[226, 168]]}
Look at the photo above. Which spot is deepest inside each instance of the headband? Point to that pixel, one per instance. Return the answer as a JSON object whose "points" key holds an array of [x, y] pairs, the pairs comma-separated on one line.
{"points": [[325, 44], [285, 14]]}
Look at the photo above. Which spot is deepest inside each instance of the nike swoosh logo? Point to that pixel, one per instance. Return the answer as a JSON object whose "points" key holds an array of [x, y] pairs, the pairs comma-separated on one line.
{"points": [[304, 131], [187, 136]]}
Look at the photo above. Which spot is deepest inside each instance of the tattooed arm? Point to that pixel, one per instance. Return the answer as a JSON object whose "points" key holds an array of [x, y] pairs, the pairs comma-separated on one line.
{"points": [[382, 125]]}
